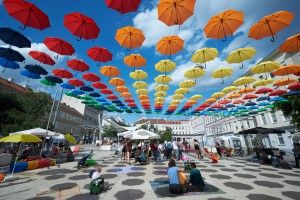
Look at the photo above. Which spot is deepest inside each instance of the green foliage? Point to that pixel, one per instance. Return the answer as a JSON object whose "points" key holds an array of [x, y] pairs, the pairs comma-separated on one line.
{"points": [[291, 108], [109, 131], [144, 126], [167, 135], [21, 112]]}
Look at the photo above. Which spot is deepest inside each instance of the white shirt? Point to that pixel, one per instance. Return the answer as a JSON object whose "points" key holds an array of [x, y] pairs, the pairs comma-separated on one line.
{"points": [[96, 175], [175, 145]]}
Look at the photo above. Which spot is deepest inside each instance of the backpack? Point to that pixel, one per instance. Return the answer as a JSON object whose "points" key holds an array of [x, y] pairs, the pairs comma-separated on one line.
{"points": [[91, 173], [169, 145]]}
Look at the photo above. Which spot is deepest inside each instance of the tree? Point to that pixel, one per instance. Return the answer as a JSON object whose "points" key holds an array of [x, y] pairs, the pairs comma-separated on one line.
{"points": [[290, 108], [21, 112], [167, 135], [109, 131]]}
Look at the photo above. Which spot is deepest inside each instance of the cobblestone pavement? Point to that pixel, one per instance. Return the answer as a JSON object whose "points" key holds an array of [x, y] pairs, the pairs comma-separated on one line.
{"points": [[234, 178]]}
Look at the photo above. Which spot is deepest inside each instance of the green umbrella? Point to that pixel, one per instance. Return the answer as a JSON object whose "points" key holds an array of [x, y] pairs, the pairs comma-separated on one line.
{"points": [[70, 94], [48, 83], [244, 111], [85, 97], [93, 102], [262, 110], [253, 112], [138, 111], [270, 106], [86, 102]]}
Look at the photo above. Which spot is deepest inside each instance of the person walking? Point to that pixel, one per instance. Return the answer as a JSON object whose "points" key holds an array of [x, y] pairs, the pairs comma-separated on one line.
{"points": [[296, 151], [154, 150], [180, 148], [197, 149], [169, 150], [175, 149], [218, 147]]}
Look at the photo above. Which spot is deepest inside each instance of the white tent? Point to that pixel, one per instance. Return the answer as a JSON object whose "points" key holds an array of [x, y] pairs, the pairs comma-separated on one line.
{"points": [[296, 136], [142, 135], [36, 132]]}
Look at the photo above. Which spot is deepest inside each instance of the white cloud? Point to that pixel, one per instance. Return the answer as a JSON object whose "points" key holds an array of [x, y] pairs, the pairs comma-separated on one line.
{"points": [[152, 86], [120, 55], [177, 74], [178, 58]]}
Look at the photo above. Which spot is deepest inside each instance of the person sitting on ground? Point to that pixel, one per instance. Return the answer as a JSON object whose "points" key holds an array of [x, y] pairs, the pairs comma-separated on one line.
{"points": [[143, 158], [172, 171], [196, 180], [137, 154]]}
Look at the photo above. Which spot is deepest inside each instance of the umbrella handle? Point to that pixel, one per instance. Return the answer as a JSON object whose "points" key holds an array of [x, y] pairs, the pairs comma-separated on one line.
{"points": [[241, 67], [56, 56], [222, 81], [99, 63], [23, 28], [78, 39], [224, 39], [3, 70], [169, 56], [272, 39], [128, 49]]}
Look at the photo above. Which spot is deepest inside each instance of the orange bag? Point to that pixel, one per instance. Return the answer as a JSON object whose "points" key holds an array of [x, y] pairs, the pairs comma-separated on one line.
{"points": [[182, 178], [214, 159]]}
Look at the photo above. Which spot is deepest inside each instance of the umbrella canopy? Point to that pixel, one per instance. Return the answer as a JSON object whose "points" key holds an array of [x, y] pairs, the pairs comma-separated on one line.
{"points": [[286, 70], [238, 102], [262, 82], [117, 81], [140, 85], [234, 96], [229, 89], [123, 6], [263, 98], [224, 101], [169, 45], [87, 88], [109, 71], [78, 65], [240, 55], [70, 139], [36, 132], [159, 99], [94, 94], [246, 90], [194, 73], [99, 54], [14, 38], [174, 102], [177, 96], [270, 25], [112, 97], [91, 77], [181, 91], [211, 100], [130, 37], [59, 46], [42, 57], [135, 60], [129, 100], [143, 97], [27, 13], [263, 91], [121, 89], [77, 92], [223, 24], [106, 91], [265, 67], [284, 81], [21, 138], [62, 73], [243, 81], [11, 54], [36, 69], [53, 79], [138, 75], [294, 86], [221, 73], [126, 95], [30, 75], [163, 79], [8, 64], [218, 95], [250, 96], [76, 82], [99, 85], [292, 44], [142, 92], [81, 26], [142, 134], [277, 92], [48, 83], [160, 94], [187, 84], [165, 66], [196, 97], [67, 86], [204, 55]]}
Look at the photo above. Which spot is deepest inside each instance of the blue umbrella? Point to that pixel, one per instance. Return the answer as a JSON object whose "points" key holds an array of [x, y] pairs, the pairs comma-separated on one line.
{"points": [[100, 100], [241, 107], [105, 104], [230, 106], [11, 54], [233, 110], [134, 107], [120, 104], [123, 107], [264, 103], [53, 79], [211, 109], [94, 94], [67, 86], [277, 99], [30, 75], [8, 64], [77, 92], [12, 37], [36, 69], [253, 107], [87, 88], [116, 101], [263, 98], [292, 92], [250, 103]]}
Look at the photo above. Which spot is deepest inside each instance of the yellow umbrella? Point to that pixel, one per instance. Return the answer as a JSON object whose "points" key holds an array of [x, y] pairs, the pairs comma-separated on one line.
{"points": [[162, 79], [265, 67], [243, 81], [177, 96], [141, 92], [187, 84], [229, 89], [70, 139], [138, 75], [221, 73], [159, 99], [182, 91], [240, 55], [165, 66], [218, 95], [196, 97], [117, 81], [125, 95], [194, 73], [140, 85], [160, 94], [204, 55], [284, 81], [263, 82], [246, 90], [135, 60], [21, 138], [161, 87], [122, 89], [174, 102]]}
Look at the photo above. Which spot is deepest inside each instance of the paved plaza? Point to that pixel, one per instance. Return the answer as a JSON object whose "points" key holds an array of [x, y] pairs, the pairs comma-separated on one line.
{"points": [[231, 178]]}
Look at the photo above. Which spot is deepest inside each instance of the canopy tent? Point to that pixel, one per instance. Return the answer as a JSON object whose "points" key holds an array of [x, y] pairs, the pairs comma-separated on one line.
{"points": [[142, 134], [36, 132], [261, 130], [296, 136]]}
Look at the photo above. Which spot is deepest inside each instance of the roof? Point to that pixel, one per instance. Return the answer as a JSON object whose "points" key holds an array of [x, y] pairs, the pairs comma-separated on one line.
{"points": [[12, 87], [152, 121], [176, 121]]}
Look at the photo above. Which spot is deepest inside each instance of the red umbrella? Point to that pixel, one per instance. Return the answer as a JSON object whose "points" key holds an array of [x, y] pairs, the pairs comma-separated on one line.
{"points": [[217, 106], [147, 107], [199, 109], [62, 73], [250, 96], [204, 105], [99, 54], [78, 65], [42, 57], [123, 6], [131, 105], [294, 86], [187, 106], [59, 46], [263, 91], [297, 74], [76, 82], [112, 97], [106, 91], [238, 102], [81, 26], [277, 92], [91, 77], [224, 101], [27, 13], [129, 100], [99, 85]]}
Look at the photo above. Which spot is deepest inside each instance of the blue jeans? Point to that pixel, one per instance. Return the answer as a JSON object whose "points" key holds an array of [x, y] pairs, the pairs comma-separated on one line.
{"points": [[176, 152], [155, 155]]}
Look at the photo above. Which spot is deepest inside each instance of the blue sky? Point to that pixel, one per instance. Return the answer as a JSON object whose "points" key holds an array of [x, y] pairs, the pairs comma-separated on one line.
{"points": [[146, 19]]}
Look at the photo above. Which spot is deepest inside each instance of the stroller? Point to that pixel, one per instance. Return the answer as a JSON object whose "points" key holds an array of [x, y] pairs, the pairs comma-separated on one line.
{"points": [[83, 161]]}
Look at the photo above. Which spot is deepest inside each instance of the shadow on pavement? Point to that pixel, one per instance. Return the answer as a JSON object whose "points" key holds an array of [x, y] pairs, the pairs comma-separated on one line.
{"points": [[55, 177], [261, 196], [78, 177], [297, 183], [244, 175], [131, 182], [56, 171], [291, 194], [268, 184], [84, 196], [228, 170], [289, 174], [252, 170], [136, 174], [238, 165], [271, 175], [219, 198], [238, 186], [41, 198], [220, 176], [63, 186], [209, 170], [108, 176], [131, 194]]}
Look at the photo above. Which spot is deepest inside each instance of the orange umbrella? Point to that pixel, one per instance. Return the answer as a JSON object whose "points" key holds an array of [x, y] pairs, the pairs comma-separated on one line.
{"points": [[233, 96], [175, 12], [284, 81], [211, 100], [117, 82], [169, 45], [130, 37], [223, 24], [292, 44], [122, 89], [270, 25], [109, 71], [246, 90], [125, 95], [286, 70], [146, 101], [143, 97], [135, 60]]}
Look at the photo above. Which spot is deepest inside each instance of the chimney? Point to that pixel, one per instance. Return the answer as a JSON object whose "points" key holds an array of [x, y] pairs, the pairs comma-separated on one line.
{"points": [[11, 80]]}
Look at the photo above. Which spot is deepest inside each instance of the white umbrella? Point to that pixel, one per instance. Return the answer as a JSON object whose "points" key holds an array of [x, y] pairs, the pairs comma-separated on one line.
{"points": [[296, 136], [142, 135], [36, 132]]}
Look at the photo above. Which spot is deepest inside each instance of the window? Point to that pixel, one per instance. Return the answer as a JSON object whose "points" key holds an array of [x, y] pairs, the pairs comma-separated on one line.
{"points": [[255, 122], [280, 139], [285, 117], [273, 117], [263, 119], [248, 124]]}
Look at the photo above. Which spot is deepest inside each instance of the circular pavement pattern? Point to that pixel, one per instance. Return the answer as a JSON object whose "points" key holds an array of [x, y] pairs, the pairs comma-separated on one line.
{"points": [[209, 170], [271, 175], [228, 170], [291, 194], [251, 170], [268, 184], [134, 174], [262, 197], [219, 176], [297, 183], [132, 182], [238, 186], [244, 175]]}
